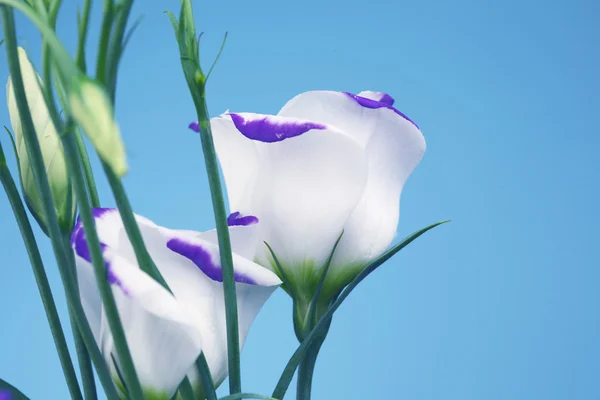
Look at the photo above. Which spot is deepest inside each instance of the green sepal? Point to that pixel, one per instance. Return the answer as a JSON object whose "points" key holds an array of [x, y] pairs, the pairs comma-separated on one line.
{"points": [[323, 324]]}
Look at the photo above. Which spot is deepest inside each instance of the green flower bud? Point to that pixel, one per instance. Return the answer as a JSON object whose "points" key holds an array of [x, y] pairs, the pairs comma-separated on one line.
{"points": [[92, 109], [52, 151]]}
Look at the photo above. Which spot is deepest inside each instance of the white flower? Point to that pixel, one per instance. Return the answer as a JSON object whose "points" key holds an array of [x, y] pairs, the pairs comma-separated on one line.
{"points": [[166, 332], [329, 162]]}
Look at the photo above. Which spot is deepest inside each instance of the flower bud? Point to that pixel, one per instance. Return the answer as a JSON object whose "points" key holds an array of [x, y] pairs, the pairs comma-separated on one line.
{"points": [[92, 109], [52, 151]]}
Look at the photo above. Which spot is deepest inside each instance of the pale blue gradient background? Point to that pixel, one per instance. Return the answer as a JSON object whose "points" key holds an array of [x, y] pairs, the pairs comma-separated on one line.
{"points": [[500, 304]]}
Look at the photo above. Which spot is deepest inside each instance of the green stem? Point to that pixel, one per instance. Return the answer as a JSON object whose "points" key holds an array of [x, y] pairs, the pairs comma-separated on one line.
{"points": [[83, 31], [306, 371], [107, 20], [41, 279], [41, 181], [147, 265], [85, 364], [90, 181], [131, 227], [93, 242], [218, 203]]}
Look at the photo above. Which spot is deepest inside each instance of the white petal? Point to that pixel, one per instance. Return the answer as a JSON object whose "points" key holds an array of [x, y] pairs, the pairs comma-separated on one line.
{"points": [[310, 179], [244, 239], [163, 337], [239, 161], [191, 267], [394, 146]]}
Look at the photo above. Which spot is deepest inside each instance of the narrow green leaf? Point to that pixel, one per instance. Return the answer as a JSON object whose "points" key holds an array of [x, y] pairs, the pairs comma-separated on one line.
{"points": [[14, 144], [131, 31], [312, 309], [288, 373], [218, 55], [207, 382], [174, 22], [298, 331]]}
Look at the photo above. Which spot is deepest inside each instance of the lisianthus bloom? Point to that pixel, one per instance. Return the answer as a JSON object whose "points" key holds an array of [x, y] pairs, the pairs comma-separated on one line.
{"points": [[52, 151], [166, 332], [5, 395], [328, 163]]}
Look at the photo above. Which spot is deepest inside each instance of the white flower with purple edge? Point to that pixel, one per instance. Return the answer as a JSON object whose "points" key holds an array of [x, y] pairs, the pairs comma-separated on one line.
{"points": [[166, 332], [328, 162]]}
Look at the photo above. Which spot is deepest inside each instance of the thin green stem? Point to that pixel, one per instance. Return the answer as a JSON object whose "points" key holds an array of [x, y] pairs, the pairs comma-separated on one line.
{"points": [[90, 180], [131, 227], [93, 242], [306, 371], [83, 23], [85, 366], [85, 363], [218, 203], [41, 180], [107, 20], [41, 279]]}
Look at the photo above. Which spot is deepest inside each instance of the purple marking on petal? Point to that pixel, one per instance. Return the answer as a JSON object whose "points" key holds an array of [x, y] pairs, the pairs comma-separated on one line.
{"points": [[387, 99], [96, 212], [270, 129], [5, 395], [374, 104], [203, 260], [194, 126], [79, 243], [235, 219]]}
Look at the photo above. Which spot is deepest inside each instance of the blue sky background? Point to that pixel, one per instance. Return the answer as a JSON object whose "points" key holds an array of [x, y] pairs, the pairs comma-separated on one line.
{"points": [[500, 304]]}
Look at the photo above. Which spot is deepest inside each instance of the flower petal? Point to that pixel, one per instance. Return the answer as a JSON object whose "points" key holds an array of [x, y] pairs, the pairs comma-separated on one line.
{"points": [[394, 146], [239, 160], [378, 96], [163, 336], [191, 267], [269, 128], [309, 181]]}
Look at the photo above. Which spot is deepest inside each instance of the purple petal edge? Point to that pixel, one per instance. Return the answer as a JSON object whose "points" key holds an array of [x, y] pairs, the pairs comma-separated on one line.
{"points": [[80, 245], [194, 126], [96, 212], [235, 219], [387, 99], [374, 104], [203, 260], [270, 129]]}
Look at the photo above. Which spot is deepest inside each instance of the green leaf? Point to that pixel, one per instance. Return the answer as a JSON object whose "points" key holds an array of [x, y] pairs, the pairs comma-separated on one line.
{"points": [[298, 356], [312, 310], [14, 392], [218, 55]]}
